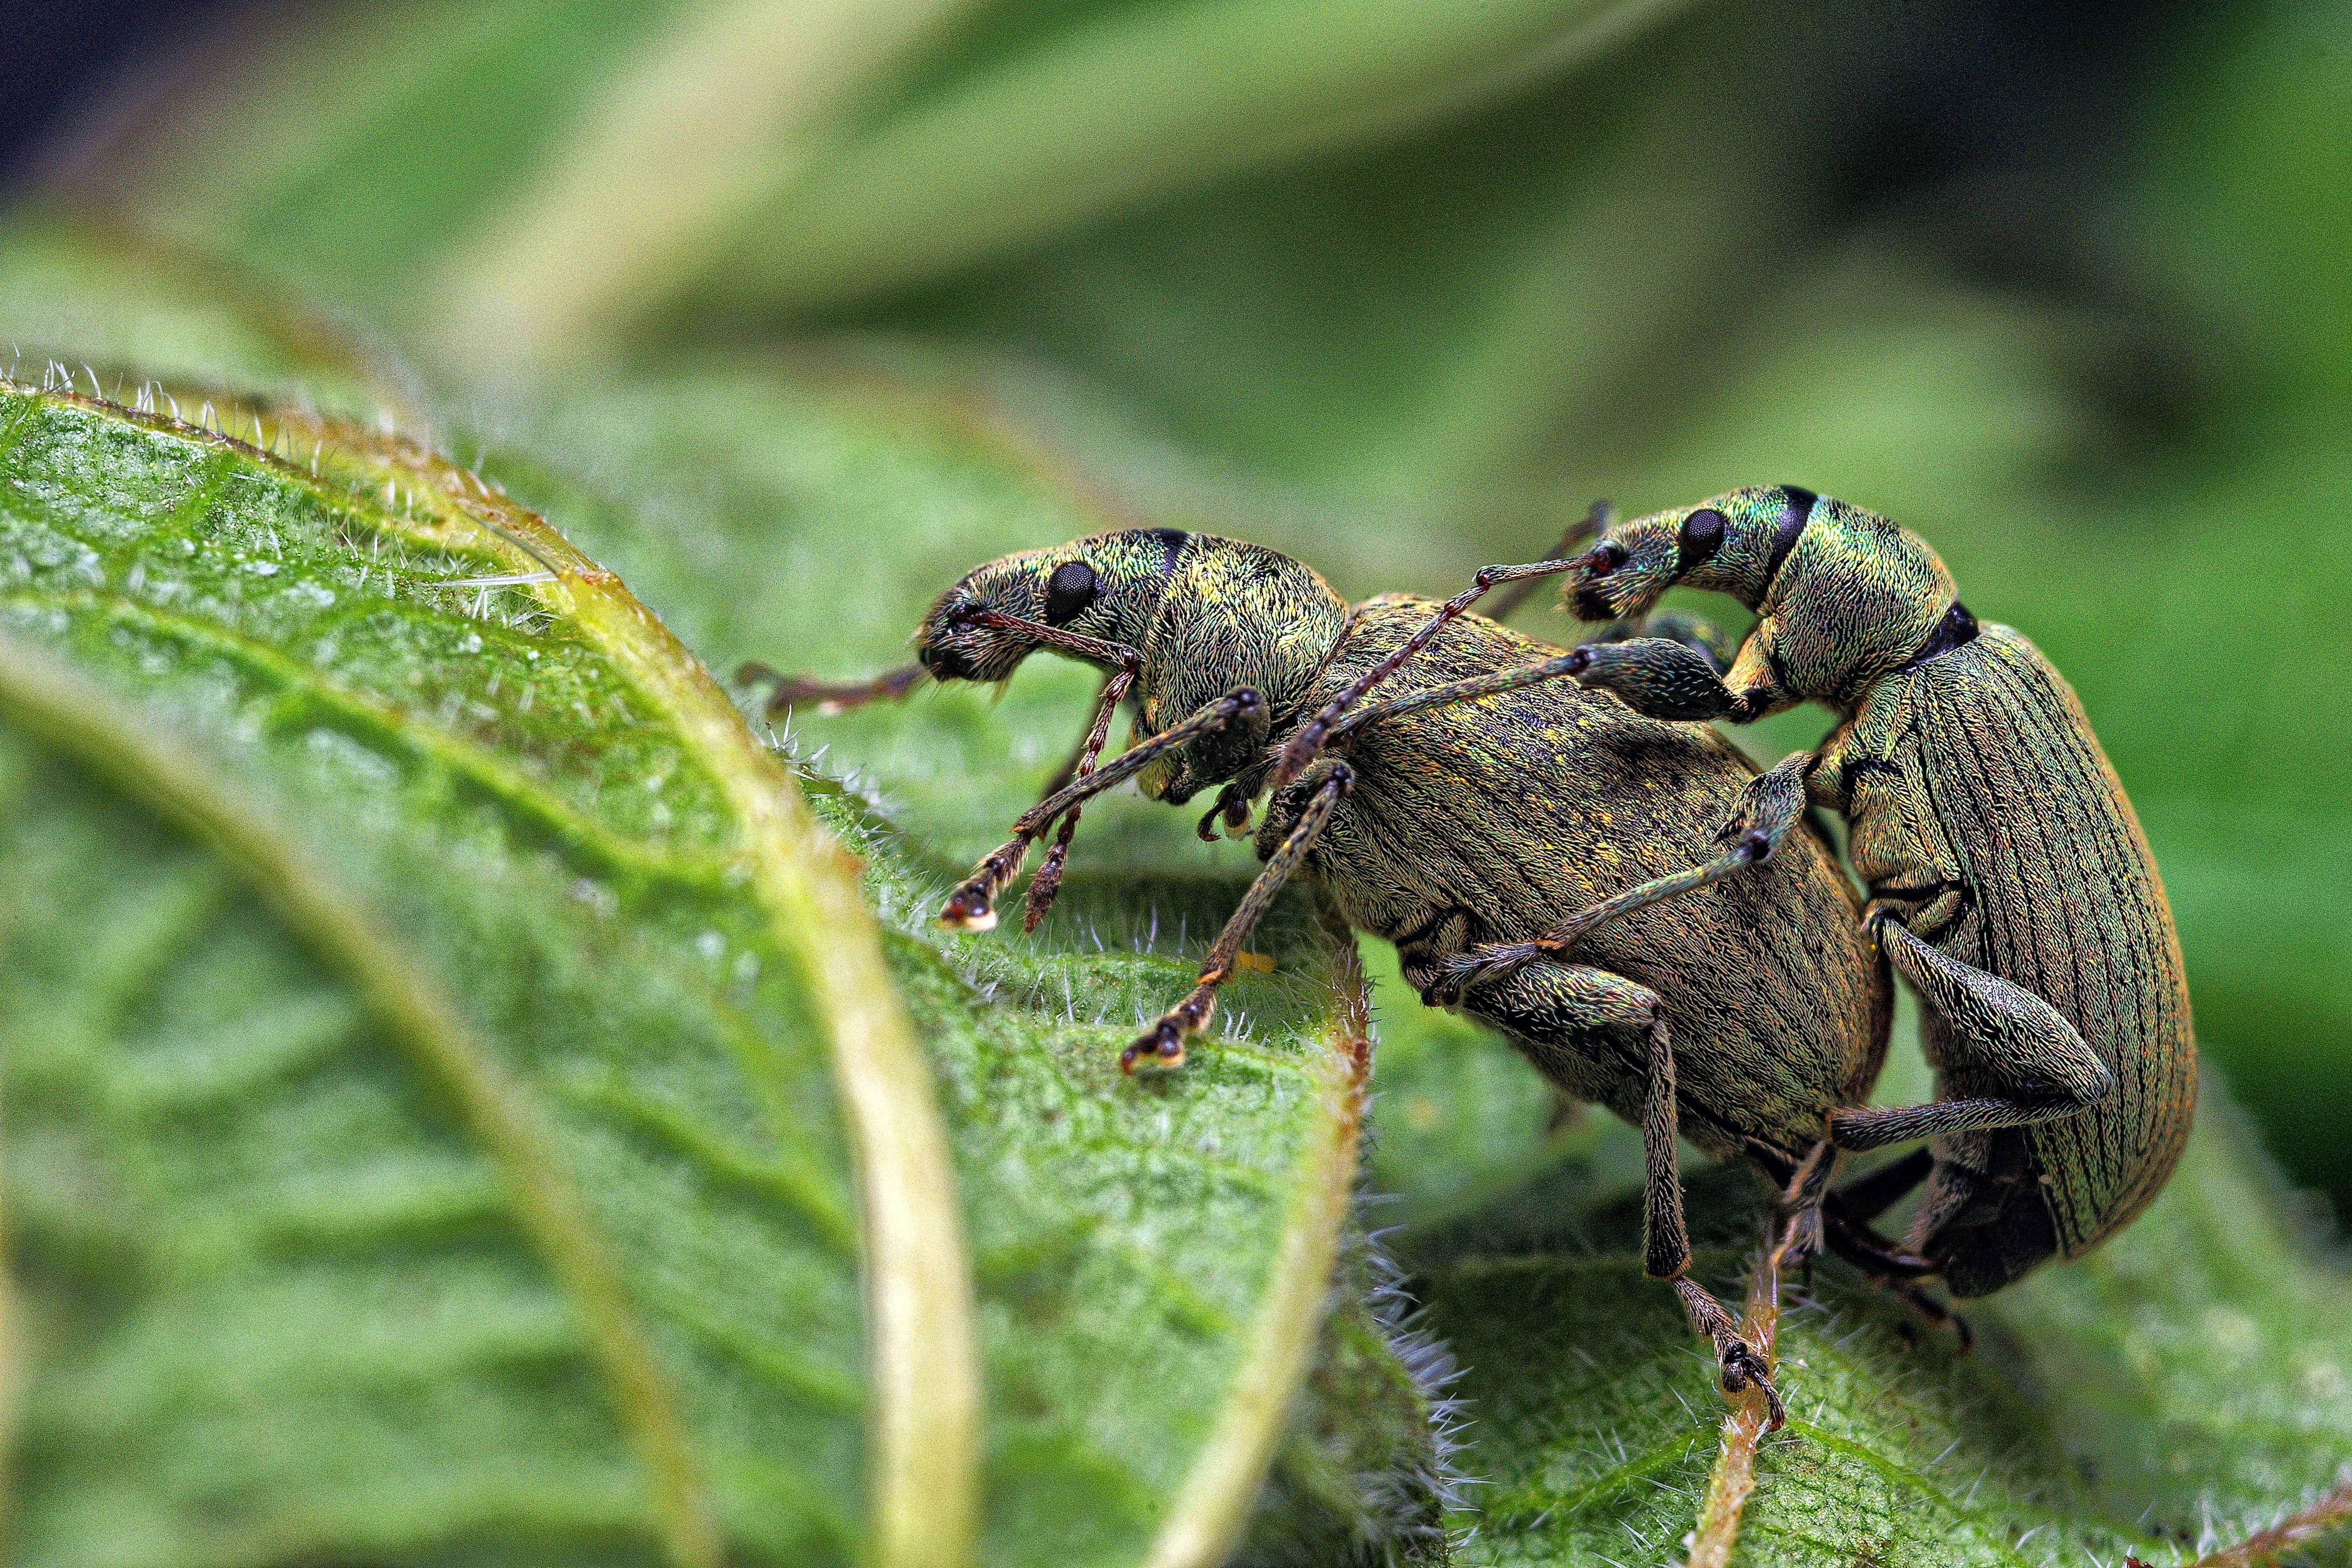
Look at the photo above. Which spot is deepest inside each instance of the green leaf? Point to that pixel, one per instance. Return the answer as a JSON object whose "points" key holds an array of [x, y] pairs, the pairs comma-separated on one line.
{"points": [[2180, 1389], [454, 1092]]}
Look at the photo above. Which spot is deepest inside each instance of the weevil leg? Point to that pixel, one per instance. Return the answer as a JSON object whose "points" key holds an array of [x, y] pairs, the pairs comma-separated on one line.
{"points": [[1772, 804], [1555, 1006], [1162, 1045], [1048, 880], [1874, 1192], [1664, 679], [972, 905], [1082, 760], [1804, 1195], [1935, 1311], [1849, 1235], [1862, 1247], [1695, 633], [2014, 1043], [1307, 742]]}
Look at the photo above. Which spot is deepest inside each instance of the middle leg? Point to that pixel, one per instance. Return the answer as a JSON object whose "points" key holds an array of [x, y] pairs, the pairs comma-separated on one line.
{"points": [[1774, 803]]}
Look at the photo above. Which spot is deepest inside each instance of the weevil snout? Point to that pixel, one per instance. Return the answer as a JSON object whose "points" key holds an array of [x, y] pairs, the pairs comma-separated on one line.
{"points": [[955, 644], [1620, 576]]}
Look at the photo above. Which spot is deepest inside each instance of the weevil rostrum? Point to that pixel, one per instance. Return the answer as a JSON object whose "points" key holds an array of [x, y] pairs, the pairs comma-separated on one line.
{"points": [[2009, 881], [1484, 799]]}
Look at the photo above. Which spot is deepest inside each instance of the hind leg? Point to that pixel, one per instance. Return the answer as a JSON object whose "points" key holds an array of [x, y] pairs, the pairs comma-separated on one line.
{"points": [[1773, 805], [2007, 1040], [1582, 1012]]}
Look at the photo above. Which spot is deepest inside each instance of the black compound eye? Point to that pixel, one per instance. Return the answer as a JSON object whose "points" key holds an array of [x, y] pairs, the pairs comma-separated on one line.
{"points": [[1606, 557], [1701, 537], [1068, 591]]}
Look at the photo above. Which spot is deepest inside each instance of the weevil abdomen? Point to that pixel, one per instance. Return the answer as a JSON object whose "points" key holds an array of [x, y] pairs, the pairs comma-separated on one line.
{"points": [[1988, 821], [1491, 820]]}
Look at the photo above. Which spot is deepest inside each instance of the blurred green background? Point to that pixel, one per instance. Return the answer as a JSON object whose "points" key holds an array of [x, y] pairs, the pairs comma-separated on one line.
{"points": [[1398, 285]]}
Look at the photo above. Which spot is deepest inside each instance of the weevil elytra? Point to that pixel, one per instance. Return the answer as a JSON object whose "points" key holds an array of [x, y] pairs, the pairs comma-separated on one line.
{"points": [[2009, 883], [1483, 800]]}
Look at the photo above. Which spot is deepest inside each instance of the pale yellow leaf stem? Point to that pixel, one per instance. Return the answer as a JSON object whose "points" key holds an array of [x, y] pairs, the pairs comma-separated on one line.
{"points": [[1205, 1523], [1734, 1476]]}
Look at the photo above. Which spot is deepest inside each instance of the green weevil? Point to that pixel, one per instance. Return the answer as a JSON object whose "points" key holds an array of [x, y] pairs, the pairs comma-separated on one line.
{"points": [[2009, 881], [1485, 799]]}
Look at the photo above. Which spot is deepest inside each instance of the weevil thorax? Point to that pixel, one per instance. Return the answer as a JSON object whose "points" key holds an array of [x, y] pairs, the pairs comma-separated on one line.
{"points": [[1232, 615], [1856, 597], [1207, 615], [1841, 596]]}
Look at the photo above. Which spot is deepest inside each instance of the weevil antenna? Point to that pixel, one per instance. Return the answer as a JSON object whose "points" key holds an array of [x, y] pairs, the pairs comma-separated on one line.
{"points": [[1506, 604], [825, 696]]}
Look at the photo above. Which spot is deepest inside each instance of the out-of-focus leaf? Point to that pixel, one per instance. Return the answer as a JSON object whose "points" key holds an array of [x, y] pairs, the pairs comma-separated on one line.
{"points": [[2250, 188], [536, 180], [1135, 103], [470, 984]]}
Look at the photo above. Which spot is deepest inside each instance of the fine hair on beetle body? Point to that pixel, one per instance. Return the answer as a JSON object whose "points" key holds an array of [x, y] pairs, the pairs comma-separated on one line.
{"points": [[1485, 815], [2009, 881]]}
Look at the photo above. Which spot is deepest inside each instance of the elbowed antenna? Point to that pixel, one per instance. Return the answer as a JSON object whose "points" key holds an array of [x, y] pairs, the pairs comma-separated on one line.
{"points": [[829, 697]]}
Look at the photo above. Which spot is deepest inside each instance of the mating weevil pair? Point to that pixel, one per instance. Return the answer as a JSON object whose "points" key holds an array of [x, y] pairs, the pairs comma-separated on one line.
{"points": [[1521, 837]]}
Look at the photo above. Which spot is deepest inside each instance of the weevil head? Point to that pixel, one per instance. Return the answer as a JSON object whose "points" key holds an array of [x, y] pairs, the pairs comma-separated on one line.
{"points": [[1843, 595], [1107, 587], [1207, 615], [1732, 544]]}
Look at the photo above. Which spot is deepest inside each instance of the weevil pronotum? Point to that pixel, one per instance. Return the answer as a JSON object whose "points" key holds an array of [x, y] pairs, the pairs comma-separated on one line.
{"points": [[1483, 800], [2009, 883]]}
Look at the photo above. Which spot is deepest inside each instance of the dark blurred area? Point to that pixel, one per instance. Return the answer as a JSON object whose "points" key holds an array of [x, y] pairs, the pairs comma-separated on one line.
{"points": [[59, 62]]}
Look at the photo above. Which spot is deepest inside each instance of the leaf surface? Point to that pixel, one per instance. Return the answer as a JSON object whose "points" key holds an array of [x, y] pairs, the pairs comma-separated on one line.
{"points": [[302, 1274]]}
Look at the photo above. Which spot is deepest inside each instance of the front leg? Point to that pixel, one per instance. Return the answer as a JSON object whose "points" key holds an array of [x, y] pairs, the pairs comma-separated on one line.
{"points": [[971, 906], [1772, 804], [1575, 1009], [1665, 679], [1161, 1047]]}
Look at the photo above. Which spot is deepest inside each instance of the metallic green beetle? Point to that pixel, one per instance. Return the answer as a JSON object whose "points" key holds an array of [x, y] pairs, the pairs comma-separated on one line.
{"points": [[1486, 800], [2009, 881]]}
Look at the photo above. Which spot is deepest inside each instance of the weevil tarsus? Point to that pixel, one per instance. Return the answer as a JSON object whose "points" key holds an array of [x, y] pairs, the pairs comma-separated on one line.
{"points": [[1162, 1045]]}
